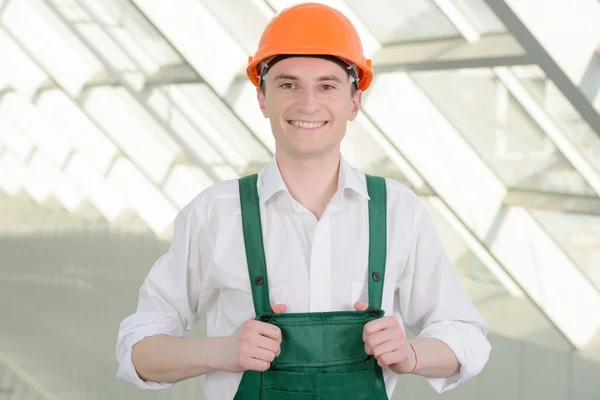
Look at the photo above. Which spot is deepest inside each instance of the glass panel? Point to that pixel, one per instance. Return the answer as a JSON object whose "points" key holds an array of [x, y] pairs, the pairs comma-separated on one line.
{"points": [[183, 185], [78, 129], [562, 113], [139, 35], [386, 160], [363, 153], [245, 105], [147, 201], [568, 31], [16, 71], [186, 127], [52, 44], [12, 172], [116, 57], [435, 149], [396, 21], [46, 155], [136, 136], [222, 126], [27, 121], [579, 236], [371, 44], [10, 135], [203, 41], [549, 276], [245, 21], [501, 131], [489, 295], [131, 45], [104, 197], [480, 16], [43, 168]]}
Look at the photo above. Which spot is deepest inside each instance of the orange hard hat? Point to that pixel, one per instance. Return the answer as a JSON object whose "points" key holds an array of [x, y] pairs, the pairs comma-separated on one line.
{"points": [[311, 29]]}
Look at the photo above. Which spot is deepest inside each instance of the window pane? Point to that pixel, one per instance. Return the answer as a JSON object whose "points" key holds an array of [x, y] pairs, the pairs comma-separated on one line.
{"points": [[51, 43], [506, 315], [147, 201], [480, 16], [243, 19], [550, 277], [579, 236], [562, 113], [501, 131], [245, 105], [183, 183], [396, 21], [119, 118], [222, 125], [436, 149], [200, 38]]}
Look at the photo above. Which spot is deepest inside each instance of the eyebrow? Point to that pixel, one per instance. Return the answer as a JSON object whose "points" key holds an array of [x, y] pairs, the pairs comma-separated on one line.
{"points": [[324, 78]]}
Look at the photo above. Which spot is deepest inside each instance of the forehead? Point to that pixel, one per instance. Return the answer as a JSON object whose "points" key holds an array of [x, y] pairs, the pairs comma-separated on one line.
{"points": [[307, 67]]}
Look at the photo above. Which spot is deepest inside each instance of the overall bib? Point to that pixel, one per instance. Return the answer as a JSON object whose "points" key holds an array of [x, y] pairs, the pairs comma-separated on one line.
{"points": [[322, 353]]}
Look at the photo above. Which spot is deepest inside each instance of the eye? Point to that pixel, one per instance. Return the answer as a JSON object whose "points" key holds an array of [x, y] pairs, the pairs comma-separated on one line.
{"points": [[328, 88], [287, 86]]}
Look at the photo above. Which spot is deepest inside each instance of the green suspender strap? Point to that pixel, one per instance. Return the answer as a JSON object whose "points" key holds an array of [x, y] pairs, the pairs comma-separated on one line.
{"points": [[252, 228], [377, 238]]}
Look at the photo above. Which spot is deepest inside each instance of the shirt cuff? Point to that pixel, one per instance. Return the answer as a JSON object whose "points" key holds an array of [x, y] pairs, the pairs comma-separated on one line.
{"points": [[470, 345]]}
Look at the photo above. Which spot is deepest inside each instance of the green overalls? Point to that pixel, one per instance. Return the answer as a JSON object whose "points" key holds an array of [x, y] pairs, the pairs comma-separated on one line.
{"points": [[322, 353]]}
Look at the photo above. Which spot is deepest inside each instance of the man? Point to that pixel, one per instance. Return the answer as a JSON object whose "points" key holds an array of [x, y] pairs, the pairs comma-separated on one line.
{"points": [[308, 273]]}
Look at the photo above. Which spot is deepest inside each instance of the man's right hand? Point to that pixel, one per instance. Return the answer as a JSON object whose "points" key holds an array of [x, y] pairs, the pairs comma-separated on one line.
{"points": [[253, 346]]}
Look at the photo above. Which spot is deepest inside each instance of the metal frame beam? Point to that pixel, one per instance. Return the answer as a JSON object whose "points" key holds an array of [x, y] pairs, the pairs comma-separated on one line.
{"points": [[452, 53], [550, 67], [560, 202]]}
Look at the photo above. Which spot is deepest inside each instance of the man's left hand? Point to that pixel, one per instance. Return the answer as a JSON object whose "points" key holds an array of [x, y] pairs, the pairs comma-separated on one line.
{"points": [[386, 341]]}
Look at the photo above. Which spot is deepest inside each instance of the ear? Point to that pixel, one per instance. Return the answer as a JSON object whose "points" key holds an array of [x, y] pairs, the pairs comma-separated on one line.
{"points": [[356, 102], [261, 101]]}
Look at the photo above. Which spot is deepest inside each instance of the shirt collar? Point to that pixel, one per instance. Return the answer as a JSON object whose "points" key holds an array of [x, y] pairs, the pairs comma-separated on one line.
{"points": [[352, 179], [270, 181]]}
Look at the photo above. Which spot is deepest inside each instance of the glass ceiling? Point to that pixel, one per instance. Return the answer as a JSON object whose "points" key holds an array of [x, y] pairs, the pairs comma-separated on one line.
{"points": [[136, 106]]}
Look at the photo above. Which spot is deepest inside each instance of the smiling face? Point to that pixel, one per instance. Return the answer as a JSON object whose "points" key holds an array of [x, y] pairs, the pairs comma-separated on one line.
{"points": [[309, 102]]}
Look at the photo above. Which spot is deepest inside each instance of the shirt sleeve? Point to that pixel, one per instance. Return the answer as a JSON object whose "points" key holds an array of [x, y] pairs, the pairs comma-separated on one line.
{"points": [[168, 299], [433, 303]]}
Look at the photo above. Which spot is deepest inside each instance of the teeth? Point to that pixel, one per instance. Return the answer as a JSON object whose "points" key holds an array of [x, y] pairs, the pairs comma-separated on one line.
{"points": [[308, 125]]}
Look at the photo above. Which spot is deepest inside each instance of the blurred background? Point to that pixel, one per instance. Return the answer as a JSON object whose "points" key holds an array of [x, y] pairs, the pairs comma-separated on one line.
{"points": [[115, 113]]}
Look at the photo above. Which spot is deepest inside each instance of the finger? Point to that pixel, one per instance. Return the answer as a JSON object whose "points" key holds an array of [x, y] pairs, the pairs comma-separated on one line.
{"points": [[390, 334], [265, 343], [257, 365], [378, 325], [389, 346], [261, 354], [268, 330], [391, 358], [278, 308], [360, 306]]}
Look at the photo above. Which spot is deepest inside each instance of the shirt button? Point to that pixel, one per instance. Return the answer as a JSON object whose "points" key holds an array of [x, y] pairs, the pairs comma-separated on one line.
{"points": [[259, 280], [376, 276]]}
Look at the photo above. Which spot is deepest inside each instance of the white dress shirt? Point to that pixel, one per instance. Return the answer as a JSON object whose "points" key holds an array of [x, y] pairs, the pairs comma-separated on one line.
{"points": [[313, 265]]}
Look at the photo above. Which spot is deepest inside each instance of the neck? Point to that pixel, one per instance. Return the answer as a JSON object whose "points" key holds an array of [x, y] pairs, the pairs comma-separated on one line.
{"points": [[312, 182]]}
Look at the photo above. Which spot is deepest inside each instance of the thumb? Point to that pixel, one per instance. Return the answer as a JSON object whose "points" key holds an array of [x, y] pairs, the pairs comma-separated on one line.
{"points": [[360, 306], [278, 308]]}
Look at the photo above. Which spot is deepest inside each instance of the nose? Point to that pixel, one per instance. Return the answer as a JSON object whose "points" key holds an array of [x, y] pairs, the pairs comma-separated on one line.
{"points": [[308, 102]]}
